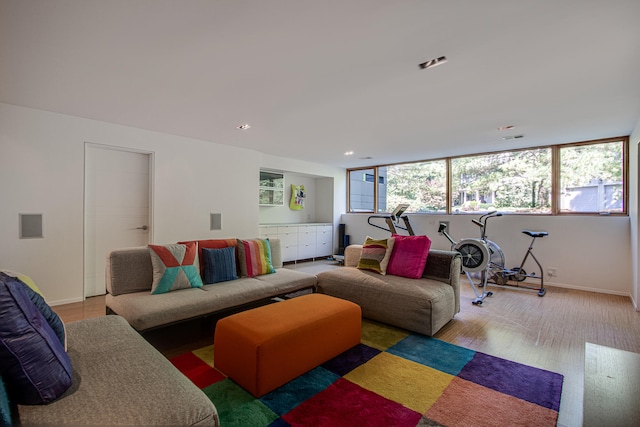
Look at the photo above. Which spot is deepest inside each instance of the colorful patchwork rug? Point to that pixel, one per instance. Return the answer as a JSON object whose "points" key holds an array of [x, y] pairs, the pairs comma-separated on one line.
{"points": [[393, 378]]}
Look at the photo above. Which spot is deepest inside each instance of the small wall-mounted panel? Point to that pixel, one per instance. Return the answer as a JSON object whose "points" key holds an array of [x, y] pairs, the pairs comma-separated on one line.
{"points": [[31, 226], [215, 221]]}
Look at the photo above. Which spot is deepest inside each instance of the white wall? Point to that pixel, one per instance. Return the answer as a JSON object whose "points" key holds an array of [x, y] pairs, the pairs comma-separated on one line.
{"points": [[589, 252], [283, 214], [329, 185], [42, 171]]}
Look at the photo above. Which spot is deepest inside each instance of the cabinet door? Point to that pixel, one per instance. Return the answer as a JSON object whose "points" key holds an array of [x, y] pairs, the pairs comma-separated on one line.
{"points": [[307, 241], [268, 231], [324, 243], [288, 243]]}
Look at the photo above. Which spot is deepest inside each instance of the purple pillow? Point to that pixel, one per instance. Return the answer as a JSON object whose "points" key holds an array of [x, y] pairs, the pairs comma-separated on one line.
{"points": [[34, 365], [409, 256]]}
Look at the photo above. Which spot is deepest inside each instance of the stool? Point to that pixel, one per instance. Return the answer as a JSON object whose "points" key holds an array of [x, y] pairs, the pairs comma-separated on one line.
{"points": [[266, 347]]}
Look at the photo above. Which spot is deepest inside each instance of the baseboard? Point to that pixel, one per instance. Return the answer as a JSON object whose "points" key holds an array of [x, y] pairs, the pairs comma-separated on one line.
{"points": [[65, 301]]}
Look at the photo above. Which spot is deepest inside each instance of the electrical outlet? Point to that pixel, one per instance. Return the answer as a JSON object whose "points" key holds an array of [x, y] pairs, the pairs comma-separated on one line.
{"points": [[552, 271], [445, 223]]}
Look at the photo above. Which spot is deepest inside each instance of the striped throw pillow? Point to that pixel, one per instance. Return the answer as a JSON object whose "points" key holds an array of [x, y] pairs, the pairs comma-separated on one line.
{"points": [[375, 254], [255, 257]]}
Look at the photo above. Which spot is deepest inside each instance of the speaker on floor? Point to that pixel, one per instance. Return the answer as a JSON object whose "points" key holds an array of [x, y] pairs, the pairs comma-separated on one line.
{"points": [[341, 246]]}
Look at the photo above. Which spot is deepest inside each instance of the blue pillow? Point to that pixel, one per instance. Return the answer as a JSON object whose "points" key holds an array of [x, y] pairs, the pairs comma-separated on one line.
{"points": [[33, 363], [219, 264]]}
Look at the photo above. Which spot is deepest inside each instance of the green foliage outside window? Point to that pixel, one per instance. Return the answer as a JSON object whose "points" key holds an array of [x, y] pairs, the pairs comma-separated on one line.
{"points": [[511, 181]]}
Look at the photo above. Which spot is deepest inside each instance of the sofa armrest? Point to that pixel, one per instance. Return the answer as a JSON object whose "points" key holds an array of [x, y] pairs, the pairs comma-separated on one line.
{"points": [[352, 255], [444, 266], [129, 270]]}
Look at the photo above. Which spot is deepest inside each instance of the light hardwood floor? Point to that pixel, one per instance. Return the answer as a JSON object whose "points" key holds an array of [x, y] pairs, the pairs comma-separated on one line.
{"points": [[515, 324]]}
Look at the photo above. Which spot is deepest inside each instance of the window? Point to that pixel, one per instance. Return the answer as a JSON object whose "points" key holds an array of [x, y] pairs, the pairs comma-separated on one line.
{"points": [[509, 181], [271, 191], [586, 177], [423, 186], [591, 178], [361, 190]]}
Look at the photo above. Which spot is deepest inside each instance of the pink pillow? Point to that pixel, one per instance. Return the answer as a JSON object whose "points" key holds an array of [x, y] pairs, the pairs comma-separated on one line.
{"points": [[409, 256]]}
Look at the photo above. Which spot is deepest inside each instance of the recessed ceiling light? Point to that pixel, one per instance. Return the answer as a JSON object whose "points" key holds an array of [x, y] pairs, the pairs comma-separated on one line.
{"points": [[508, 127], [512, 137], [433, 62], [365, 158], [244, 126], [348, 153]]}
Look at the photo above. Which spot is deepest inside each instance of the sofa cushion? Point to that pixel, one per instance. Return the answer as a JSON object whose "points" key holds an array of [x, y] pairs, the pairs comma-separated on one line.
{"points": [[255, 257], [219, 264], [422, 306], [409, 256], [175, 267], [121, 379], [375, 254], [33, 361]]}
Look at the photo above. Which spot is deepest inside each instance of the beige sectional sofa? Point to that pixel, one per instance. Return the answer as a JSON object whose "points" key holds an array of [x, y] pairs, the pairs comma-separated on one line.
{"points": [[130, 276], [422, 305]]}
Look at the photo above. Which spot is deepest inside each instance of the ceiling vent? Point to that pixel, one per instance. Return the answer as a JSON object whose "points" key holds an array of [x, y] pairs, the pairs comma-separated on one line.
{"points": [[512, 137], [433, 62]]}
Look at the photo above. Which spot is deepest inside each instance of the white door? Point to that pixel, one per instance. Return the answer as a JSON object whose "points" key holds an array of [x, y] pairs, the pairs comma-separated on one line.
{"points": [[117, 208]]}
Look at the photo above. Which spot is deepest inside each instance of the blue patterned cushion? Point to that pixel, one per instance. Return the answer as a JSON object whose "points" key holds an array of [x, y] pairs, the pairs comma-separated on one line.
{"points": [[219, 264]]}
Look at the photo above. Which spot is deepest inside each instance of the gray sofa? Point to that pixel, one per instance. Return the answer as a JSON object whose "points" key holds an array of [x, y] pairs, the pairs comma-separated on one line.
{"points": [[120, 379], [130, 275], [422, 305]]}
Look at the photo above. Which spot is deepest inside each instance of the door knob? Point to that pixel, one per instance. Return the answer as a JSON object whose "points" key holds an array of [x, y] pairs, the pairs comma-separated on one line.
{"points": [[144, 227]]}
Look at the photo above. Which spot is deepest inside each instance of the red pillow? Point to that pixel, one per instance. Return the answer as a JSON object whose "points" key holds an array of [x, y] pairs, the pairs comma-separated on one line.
{"points": [[409, 256]]}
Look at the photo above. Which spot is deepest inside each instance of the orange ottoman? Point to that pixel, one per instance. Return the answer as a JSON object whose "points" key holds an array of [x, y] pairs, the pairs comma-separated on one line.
{"points": [[266, 347]]}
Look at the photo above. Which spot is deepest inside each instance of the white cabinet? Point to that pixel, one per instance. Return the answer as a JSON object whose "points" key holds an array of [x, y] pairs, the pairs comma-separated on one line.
{"points": [[301, 241], [324, 240], [288, 236], [267, 232], [306, 241]]}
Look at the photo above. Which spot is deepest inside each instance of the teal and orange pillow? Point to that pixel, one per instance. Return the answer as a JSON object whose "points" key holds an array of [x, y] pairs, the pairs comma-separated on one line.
{"points": [[255, 257], [219, 264], [376, 254], [175, 266]]}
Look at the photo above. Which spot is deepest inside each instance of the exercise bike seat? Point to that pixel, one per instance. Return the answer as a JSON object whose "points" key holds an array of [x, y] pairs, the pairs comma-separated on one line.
{"points": [[535, 233]]}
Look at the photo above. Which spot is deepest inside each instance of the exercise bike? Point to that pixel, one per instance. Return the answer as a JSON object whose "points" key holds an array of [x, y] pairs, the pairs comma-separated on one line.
{"points": [[495, 271], [476, 257]]}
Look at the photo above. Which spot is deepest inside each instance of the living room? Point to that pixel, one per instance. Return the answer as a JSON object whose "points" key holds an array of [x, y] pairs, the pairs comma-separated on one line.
{"points": [[56, 104]]}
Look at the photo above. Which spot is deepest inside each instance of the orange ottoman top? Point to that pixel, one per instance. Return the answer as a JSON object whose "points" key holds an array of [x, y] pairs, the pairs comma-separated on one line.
{"points": [[266, 347]]}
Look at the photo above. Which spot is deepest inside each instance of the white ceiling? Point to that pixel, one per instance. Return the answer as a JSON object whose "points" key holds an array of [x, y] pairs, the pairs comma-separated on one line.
{"points": [[317, 78]]}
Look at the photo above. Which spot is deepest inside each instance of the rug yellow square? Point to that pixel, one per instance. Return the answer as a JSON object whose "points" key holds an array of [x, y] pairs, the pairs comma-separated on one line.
{"points": [[409, 383]]}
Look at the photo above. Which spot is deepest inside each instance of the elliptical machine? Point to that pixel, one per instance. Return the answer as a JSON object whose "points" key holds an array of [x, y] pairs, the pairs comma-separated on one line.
{"points": [[393, 220]]}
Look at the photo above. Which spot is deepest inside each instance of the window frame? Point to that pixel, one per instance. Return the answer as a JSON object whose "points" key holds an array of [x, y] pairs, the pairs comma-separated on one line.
{"points": [[555, 179]]}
